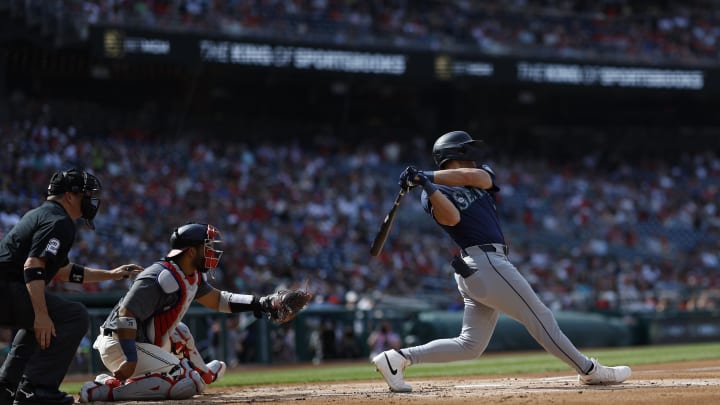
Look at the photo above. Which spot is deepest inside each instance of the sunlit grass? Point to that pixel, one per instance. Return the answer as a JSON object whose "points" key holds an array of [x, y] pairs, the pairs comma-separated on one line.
{"points": [[488, 364]]}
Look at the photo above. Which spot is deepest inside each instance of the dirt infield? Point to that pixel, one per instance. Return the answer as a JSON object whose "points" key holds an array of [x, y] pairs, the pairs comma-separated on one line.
{"points": [[674, 383]]}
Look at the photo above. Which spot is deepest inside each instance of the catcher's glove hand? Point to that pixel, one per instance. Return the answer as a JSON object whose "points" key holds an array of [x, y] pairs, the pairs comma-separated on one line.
{"points": [[284, 305]]}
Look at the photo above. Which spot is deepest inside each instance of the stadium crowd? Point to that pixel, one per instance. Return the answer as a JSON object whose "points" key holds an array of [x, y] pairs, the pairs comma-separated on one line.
{"points": [[637, 236], [621, 30]]}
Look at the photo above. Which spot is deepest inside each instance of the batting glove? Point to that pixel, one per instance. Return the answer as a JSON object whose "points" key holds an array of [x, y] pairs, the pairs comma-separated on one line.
{"points": [[408, 177]]}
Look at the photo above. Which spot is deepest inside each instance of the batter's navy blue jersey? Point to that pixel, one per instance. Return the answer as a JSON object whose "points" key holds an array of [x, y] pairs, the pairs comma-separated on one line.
{"points": [[45, 232], [479, 223]]}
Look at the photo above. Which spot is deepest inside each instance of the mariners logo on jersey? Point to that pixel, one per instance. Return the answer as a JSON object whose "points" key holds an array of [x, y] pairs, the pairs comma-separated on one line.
{"points": [[463, 197]]}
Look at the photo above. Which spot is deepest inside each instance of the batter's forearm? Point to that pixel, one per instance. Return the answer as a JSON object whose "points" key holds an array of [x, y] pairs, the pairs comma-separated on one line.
{"points": [[478, 178]]}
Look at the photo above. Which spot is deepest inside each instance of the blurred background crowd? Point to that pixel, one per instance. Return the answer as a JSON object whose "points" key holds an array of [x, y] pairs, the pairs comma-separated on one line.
{"points": [[667, 31], [620, 218], [640, 235]]}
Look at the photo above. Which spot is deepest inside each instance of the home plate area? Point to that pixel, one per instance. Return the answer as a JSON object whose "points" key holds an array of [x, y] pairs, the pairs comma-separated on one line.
{"points": [[675, 384], [672, 385]]}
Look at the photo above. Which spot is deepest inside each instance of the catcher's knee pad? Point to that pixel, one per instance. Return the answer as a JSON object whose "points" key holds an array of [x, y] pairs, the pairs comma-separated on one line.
{"points": [[184, 332], [181, 336], [182, 344], [181, 340]]}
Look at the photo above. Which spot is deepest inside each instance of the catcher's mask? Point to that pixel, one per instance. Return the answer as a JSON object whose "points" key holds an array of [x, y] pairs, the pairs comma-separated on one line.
{"points": [[456, 145], [190, 235], [78, 181]]}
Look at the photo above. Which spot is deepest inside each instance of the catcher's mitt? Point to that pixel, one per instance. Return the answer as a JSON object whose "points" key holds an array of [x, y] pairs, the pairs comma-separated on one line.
{"points": [[284, 305]]}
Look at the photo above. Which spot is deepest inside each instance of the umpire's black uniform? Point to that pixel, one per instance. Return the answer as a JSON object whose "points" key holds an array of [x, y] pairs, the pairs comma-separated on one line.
{"points": [[45, 232]]}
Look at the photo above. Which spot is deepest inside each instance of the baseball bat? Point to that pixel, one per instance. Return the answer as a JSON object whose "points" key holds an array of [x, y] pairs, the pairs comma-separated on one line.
{"points": [[384, 230]]}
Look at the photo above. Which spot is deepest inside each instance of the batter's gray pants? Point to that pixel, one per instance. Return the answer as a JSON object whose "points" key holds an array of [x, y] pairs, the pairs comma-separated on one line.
{"points": [[496, 287]]}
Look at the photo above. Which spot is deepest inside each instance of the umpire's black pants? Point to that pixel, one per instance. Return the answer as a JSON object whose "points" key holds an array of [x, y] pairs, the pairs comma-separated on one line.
{"points": [[41, 367]]}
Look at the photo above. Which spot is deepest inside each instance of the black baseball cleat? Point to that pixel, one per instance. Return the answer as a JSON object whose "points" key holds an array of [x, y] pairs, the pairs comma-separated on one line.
{"points": [[7, 395], [38, 395]]}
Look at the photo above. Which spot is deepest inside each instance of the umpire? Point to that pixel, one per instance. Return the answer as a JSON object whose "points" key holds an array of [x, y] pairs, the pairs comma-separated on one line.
{"points": [[33, 253]]}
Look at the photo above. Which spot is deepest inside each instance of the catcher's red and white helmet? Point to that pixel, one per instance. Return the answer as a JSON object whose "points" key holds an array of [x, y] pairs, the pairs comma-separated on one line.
{"points": [[194, 234]]}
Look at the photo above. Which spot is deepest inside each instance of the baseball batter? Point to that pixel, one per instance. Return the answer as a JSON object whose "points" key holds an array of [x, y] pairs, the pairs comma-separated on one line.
{"points": [[151, 354], [460, 198]]}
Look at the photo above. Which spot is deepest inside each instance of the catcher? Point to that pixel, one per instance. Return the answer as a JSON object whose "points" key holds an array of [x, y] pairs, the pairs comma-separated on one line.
{"points": [[151, 355]]}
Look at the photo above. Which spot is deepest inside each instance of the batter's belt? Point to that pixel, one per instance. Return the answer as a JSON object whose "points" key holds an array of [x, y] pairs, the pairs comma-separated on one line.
{"points": [[466, 271], [488, 248]]}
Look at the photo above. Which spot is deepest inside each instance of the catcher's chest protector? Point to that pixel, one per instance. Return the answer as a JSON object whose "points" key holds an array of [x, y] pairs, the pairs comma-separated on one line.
{"points": [[173, 282]]}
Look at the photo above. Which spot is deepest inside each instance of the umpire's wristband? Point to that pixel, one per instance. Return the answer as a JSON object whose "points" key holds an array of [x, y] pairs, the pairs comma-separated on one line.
{"points": [[77, 274], [129, 349], [34, 273]]}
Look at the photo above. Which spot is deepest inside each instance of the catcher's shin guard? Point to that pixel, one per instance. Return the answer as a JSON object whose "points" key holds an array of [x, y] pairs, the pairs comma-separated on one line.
{"points": [[188, 382], [215, 370], [159, 387], [182, 383], [187, 387], [100, 389], [151, 387]]}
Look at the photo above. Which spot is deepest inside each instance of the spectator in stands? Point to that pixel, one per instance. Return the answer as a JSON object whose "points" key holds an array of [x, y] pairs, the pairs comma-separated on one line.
{"points": [[383, 338], [668, 32], [321, 232]]}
